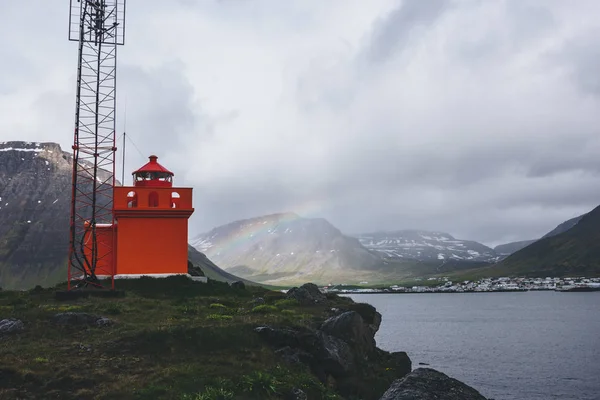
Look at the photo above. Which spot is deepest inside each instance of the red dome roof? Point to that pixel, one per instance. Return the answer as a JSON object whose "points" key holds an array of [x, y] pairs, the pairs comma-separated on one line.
{"points": [[153, 166]]}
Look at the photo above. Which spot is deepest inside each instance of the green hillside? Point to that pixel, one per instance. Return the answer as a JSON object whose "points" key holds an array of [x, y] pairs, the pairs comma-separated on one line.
{"points": [[575, 252], [175, 339]]}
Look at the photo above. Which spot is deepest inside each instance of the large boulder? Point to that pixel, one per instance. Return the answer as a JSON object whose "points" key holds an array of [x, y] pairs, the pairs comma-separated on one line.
{"points": [[307, 294], [326, 355], [429, 384], [351, 328], [11, 325], [401, 362], [368, 313], [335, 355]]}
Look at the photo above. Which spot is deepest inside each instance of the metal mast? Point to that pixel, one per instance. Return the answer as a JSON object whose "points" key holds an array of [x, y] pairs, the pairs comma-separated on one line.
{"points": [[99, 28]]}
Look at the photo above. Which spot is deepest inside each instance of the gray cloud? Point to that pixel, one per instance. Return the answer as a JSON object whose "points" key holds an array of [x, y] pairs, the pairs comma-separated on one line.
{"points": [[409, 20], [581, 58], [473, 117], [157, 112]]}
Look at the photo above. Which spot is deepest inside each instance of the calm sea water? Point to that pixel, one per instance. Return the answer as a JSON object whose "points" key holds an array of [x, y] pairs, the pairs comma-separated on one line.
{"points": [[526, 345]]}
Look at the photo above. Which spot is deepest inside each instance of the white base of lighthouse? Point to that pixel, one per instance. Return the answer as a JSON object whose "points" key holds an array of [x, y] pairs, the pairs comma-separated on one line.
{"points": [[203, 279]]}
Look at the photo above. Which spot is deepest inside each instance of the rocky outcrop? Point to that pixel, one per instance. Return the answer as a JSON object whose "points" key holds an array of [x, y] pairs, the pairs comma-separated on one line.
{"points": [[341, 351], [326, 355], [429, 384], [307, 294]]}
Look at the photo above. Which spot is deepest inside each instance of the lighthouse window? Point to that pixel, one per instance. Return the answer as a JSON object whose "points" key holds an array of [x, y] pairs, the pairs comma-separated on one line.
{"points": [[153, 199], [175, 200], [132, 199]]}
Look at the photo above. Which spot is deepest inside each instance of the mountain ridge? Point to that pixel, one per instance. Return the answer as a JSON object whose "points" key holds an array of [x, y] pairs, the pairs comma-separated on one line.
{"points": [[574, 249], [507, 249], [425, 246], [571, 249]]}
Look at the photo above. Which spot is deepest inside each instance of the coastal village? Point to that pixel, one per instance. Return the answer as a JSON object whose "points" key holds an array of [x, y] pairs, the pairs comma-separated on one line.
{"points": [[503, 284]]}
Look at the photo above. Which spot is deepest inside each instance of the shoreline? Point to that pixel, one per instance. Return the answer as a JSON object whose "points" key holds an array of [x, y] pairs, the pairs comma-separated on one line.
{"points": [[586, 290]]}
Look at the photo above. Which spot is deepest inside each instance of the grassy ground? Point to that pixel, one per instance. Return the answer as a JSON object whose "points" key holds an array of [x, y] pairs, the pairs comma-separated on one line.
{"points": [[172, 339]]}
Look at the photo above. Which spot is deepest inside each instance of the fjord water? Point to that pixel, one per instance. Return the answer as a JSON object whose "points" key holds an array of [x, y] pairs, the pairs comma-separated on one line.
{"points": [[509, 346]]}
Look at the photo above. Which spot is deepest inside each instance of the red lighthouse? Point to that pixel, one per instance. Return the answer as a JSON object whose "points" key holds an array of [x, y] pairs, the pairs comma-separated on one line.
{"points": [[151, 220]]}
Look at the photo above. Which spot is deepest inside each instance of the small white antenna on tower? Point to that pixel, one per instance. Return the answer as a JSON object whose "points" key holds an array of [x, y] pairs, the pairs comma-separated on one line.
{"points": [[124, 134]]}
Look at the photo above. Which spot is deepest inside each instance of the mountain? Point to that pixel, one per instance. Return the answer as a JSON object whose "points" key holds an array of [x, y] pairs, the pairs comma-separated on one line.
{"points": [[426, 246], [573, 252], [504, 250], [565, 226], [35, 195], [507, 249], [284, 248], [211, 270]]}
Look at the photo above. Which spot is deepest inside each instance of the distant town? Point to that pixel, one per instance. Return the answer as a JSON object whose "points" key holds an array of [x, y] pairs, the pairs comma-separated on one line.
{"points": [[504, 284]]}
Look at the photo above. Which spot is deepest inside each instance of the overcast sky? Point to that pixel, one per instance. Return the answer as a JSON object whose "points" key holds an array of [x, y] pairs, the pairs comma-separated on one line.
{"points": [[479, 118]]}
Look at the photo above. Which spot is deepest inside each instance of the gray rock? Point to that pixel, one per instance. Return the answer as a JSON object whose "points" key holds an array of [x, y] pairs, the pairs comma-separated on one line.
{"points": [[79, 318], [307, 294], [11, 326], [85, 347], [375, 323], [102, 321], [350, 327], [429, 384], [325, 354], [297, 394], [294, 356], [402, 363], [368, 313], [335, 355]]}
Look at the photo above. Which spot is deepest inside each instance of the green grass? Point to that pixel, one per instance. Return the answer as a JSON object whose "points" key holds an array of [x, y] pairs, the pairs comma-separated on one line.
{"points": [[171, 339]]}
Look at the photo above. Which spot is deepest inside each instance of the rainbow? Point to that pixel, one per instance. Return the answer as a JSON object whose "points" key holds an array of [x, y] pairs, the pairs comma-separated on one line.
{"points": [[252, 229]]}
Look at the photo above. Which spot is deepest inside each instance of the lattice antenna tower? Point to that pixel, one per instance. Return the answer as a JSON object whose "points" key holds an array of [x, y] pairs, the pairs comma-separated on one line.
{"points": [[99, 28]]}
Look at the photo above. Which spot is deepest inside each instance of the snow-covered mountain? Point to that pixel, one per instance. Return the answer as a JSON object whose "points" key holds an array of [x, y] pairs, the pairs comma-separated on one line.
{"points": [[426, 246], [285, 248]]}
